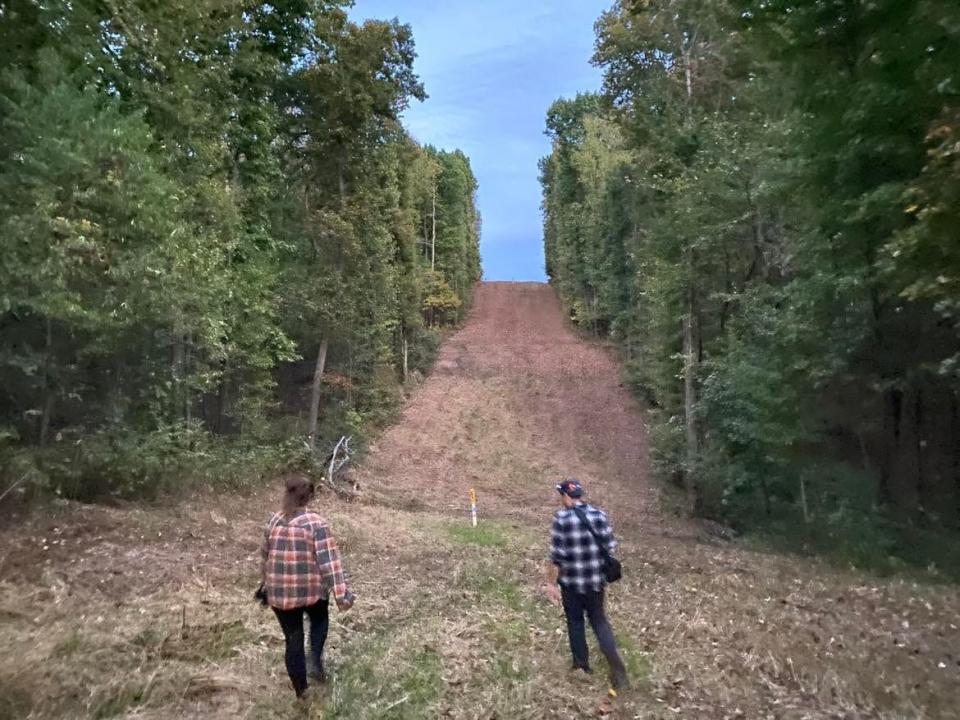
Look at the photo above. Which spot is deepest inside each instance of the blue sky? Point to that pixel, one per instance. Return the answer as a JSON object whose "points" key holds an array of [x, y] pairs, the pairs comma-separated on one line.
{"points": [[492, 68]]}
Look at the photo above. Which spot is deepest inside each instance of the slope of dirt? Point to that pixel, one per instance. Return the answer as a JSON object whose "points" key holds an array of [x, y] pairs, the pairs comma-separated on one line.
{"points": [[146, 613], [516, 401]]}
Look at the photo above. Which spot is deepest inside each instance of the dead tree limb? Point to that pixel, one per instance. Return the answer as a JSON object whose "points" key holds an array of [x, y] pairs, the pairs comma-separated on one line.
{"points": [[335, 463]]}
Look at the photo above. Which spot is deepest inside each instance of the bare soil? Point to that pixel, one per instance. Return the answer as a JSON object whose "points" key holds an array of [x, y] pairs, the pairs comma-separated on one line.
{"points": [[146, 612]]}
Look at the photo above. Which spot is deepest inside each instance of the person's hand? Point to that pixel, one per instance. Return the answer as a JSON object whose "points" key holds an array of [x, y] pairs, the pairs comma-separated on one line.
{"points": [[345, 604], [553, 593], [261, 595]]}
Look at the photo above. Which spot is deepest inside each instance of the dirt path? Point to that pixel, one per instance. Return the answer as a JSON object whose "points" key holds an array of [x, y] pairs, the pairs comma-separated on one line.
{"points": [[145, 614], [516, 400]]}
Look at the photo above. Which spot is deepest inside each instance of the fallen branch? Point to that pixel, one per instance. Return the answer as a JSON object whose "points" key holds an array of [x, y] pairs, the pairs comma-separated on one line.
{"points": [[14, 486], [333, 467], [335, 462]]}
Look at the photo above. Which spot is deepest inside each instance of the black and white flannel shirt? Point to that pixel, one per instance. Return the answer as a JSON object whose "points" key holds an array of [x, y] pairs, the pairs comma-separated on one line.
{"points": [[576, 553]]}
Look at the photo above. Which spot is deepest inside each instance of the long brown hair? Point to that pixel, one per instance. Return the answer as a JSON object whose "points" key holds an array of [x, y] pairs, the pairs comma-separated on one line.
{"points": [[298, 491]]}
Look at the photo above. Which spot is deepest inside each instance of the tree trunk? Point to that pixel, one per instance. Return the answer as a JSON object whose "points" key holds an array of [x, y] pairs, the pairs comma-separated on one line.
{"points": [[433, 237], [315, 395], [593, 315], [691, 342], [424, 225], [406, 356], [803, 501], [919, 449], [236, 171], [690, 354], [187, 399], [765, 490], [728, 288], [47, 385], [688, 78], [342, 176], [223, 398], [177, 370], [955, 443], [350, 367], [892, 404]]}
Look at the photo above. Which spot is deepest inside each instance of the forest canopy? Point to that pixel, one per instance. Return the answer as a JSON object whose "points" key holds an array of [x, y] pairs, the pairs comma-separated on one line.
{"points": [[218, 244], [760, 207]]}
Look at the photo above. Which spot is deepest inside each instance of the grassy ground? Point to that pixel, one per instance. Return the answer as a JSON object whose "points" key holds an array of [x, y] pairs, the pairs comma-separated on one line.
{"points": [[147, 613], [450, 624]]}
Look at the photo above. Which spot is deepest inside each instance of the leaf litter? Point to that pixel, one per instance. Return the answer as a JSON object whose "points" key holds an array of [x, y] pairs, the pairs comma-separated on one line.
{"points": [[145, 612]]}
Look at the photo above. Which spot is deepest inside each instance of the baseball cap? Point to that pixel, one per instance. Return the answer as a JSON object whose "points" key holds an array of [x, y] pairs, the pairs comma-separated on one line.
{"points": [[570, 487]]}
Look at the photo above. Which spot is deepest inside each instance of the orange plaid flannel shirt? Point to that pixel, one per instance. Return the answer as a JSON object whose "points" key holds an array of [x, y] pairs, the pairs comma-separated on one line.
{"points": [[301, 561]]}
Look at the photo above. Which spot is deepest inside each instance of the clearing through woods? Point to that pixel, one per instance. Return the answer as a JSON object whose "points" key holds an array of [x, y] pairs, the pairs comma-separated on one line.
{"points": [[146, 613]]}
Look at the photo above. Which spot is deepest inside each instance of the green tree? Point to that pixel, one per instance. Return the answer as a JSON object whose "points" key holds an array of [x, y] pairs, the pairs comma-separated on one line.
{"points": [[196, 197], [758, 208]]}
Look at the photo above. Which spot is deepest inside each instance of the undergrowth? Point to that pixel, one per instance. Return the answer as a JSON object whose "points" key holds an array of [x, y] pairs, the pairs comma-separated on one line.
{"points": [[873, 544], [841, 523], [124, 462]]}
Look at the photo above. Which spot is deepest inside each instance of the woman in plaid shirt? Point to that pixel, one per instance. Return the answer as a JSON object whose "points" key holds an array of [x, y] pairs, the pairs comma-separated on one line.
{"points": [[301, 569]]}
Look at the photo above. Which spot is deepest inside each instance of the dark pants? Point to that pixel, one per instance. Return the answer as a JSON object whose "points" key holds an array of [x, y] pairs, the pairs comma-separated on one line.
{"points": [[574, 606], [291, 621]]}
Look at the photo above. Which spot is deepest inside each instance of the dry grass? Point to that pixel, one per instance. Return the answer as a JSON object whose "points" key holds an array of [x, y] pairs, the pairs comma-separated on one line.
{"points": [[146, 613]]}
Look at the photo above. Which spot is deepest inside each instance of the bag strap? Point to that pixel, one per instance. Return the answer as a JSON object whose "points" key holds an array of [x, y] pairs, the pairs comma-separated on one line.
{"points": [[578, 511]]}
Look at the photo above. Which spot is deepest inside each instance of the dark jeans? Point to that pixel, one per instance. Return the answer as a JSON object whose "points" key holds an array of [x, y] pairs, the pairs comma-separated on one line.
{"points": [[291, 621], [574, 606]]}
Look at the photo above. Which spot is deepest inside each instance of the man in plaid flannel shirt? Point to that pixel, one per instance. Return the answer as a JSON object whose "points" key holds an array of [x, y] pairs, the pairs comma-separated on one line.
{"points": [[575, 578], [301, 569]]}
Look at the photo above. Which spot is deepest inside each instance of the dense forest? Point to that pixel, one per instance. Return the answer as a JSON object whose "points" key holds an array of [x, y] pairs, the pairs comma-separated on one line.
{"points": [[761, 208], [218, 245]]}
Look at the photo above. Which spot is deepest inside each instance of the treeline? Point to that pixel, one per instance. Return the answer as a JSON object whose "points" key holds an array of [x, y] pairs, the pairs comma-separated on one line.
{"points": [[762, 208], [218, 245]]}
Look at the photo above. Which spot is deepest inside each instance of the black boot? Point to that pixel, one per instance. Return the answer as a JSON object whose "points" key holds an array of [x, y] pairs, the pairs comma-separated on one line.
{"points": [[619, 680]]}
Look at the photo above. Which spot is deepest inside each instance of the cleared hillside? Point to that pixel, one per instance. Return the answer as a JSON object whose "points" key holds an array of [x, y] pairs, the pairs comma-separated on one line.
{"points": [[147, 613]]}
